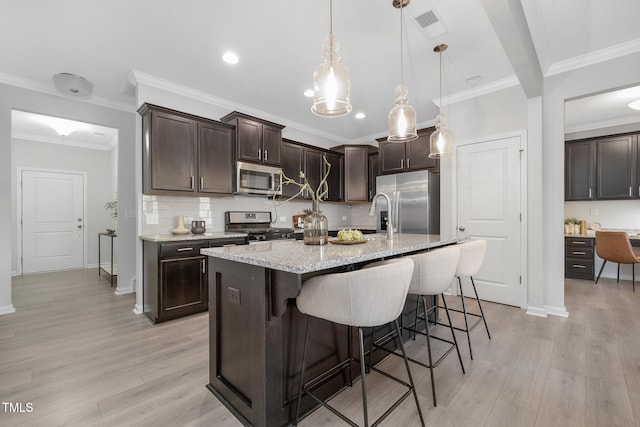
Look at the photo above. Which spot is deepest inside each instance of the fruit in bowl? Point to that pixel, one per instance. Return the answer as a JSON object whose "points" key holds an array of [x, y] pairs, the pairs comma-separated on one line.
{"points": [[350, 235]]}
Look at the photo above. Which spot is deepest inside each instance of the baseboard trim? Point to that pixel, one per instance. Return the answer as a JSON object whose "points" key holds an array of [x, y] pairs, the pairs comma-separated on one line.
{"points": [[556, 311], [137, 309], [536, 311], [7, 309], [123, 291]]}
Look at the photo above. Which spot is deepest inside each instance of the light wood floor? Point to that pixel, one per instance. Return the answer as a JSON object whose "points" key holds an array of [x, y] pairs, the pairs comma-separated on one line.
{"points": [[79, 355]]}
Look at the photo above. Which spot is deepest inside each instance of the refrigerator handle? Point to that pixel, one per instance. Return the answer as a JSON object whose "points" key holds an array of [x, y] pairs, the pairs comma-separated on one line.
{"points": [[396, 210]]}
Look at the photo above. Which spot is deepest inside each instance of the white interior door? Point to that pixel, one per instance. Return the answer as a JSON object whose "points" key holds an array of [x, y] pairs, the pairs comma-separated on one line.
{"points": [[52, 221], [489, 206]]}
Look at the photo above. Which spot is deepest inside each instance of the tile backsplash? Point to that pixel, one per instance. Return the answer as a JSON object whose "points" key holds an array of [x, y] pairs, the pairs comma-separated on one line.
{"points": [[160, 213]]}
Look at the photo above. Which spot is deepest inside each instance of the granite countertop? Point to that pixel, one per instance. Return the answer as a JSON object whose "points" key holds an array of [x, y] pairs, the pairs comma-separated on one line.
{"points": [[183, 237], [633, 234], [294, 256]]}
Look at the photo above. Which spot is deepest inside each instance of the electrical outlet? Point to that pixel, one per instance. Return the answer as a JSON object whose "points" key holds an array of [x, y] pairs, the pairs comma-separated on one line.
{"points": [[152, 218], [593, 212], [344, 218], [283, 218], [234, 296]]}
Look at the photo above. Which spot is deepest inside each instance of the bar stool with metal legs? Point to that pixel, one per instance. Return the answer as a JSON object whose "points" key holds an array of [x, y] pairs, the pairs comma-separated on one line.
{"points": [[362, 298], [471, 258]]}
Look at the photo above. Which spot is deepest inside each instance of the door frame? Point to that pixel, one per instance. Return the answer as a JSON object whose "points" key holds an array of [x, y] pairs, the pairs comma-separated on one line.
{"points": [[522, 134], [19, 232]]}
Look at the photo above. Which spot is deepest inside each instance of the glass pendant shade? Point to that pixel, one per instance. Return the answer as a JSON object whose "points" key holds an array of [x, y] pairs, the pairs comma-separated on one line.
{"points": [[441, 140], [331, 83], [402, 118]]}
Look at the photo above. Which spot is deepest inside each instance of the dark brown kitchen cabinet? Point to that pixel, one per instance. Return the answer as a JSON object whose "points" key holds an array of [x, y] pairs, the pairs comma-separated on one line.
{"points": [[298, 157], [257, 140], [185, 154], [396, 157], [175, 279], [616, 167], [292, 165], [356, 171], [580, 170], [373, 173], [603, 168], [579, 260]]}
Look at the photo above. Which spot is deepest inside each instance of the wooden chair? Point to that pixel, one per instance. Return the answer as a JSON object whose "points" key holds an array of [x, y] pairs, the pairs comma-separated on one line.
{"points": [[615, 246]]}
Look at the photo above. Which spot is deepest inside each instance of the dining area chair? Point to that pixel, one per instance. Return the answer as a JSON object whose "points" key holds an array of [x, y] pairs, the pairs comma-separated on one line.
{"points": [[615, 246]]}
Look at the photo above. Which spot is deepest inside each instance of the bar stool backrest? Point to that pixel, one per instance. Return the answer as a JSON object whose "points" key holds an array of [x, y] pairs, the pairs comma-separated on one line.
{"points": [[433, 270], [366, 297], [471, 257]]}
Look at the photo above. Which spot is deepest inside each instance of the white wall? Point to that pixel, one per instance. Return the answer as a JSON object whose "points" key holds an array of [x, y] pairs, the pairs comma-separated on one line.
{"points": [[100, 184], [600, 77], [12, 97]]}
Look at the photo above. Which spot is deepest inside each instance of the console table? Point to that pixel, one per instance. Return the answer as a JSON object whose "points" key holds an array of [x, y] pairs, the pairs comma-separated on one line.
{"points": [[109, 268]]}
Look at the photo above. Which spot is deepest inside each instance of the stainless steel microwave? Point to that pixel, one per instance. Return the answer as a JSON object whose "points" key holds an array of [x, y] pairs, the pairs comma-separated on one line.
{"points": [[258, 179]]}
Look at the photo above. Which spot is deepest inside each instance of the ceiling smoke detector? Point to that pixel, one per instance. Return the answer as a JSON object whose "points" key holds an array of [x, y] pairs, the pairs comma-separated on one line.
{"points": [[73, 85]]}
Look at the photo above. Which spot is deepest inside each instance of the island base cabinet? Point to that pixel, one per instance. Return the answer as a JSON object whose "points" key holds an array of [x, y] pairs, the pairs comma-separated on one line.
{"points": [[256, 338]]}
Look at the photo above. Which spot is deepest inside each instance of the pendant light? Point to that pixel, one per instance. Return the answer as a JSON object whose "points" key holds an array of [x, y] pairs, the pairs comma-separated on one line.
{"points": [[402, 117], [331, 84], [441, 140]]}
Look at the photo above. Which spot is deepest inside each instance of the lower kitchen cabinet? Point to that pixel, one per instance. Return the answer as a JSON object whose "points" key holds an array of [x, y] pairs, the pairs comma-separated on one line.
{"points": [[579, 260], [175, 277]]}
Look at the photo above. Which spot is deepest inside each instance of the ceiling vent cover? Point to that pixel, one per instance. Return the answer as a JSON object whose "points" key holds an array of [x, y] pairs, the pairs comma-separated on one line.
{"points": [[429, 24]]}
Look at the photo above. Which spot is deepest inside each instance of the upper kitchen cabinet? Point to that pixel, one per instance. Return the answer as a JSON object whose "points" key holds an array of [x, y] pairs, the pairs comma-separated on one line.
{"points": [[335, 177], [356, 172], [257, 140], [373, 173], [616, 167], [604, 168], [580, 168], [185, 154], [292, 165], [396, 157]]}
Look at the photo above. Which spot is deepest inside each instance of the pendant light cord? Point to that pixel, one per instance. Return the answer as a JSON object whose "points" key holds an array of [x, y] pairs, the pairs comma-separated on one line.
{"points": [[440, 84], [401, 54], [331, 30]]}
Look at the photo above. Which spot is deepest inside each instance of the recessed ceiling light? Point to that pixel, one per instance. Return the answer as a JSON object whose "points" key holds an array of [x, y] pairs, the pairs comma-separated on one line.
{"points": [[360, 115], [309, 93], [230, 58], [635, 105], [474, 79]]}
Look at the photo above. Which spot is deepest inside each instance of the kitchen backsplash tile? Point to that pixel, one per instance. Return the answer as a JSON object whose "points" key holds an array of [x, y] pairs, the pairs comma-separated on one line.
{"points": [[160, 212]]}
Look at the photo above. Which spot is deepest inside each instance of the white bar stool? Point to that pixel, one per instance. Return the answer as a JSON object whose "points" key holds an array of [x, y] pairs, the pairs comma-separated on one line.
{"points": [[471, 258], [362, 298]]}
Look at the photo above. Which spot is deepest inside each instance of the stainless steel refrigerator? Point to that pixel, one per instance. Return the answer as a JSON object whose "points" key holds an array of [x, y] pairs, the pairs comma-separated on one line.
{"points": [[415, 202]]}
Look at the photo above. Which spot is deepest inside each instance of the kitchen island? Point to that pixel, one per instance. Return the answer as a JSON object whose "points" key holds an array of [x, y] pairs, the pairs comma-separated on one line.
{"points": [[255, 329]]}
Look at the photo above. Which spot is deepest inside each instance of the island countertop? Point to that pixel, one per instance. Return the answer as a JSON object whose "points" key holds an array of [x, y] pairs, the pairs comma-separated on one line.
{"points": [[185, 237], [293, 256]]}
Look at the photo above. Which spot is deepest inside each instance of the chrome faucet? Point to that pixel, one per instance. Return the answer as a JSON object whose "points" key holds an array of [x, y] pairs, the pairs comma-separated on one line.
{"points": [[372, 211]]}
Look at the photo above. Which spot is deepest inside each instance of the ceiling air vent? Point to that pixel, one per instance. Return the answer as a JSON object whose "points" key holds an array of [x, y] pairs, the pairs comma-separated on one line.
{"points": [[429, 24]]}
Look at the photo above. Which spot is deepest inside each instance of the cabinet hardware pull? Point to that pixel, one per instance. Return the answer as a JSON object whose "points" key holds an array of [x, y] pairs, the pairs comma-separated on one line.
{"points": [[259, 154], [578, 266], [408, 163], [201, 183], [629, 191], [589, 192], [579, 243], [203, 266], [401, 163], [184, 249], [266, 155], [192, 181], [579, 253]]}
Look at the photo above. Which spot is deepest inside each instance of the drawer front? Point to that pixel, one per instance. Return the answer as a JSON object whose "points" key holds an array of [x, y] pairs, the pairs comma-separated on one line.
{"points": [[182, 248], [579, 268], [577, 252], [579, 242]]}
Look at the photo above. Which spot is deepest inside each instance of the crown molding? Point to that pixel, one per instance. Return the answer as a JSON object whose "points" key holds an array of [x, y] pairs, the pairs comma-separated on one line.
{"points": [[602, 55], [478, 91], [43, 88], [66, 141]]}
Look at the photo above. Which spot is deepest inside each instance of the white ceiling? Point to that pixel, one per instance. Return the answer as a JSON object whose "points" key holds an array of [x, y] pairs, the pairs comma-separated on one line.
{"points": [[279, 45]]}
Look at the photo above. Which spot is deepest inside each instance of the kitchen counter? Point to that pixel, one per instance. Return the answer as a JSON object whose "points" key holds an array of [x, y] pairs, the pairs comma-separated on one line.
{"points": [[256, 332], [293, 256], [183, 237]]}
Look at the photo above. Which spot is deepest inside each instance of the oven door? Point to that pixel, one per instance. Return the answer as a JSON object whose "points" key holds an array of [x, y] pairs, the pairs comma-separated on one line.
{"points": [[258, 179]]}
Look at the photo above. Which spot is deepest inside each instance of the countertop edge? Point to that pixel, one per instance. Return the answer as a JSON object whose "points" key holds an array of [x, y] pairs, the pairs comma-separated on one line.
{"points": [[187, 237]]}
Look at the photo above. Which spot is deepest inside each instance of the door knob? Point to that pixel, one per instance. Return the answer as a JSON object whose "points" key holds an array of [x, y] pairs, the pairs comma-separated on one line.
{"points": [[461, 228]]}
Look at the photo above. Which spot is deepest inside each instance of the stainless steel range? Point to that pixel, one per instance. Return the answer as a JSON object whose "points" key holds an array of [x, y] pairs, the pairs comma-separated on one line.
{"points": [[256, 224]]}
